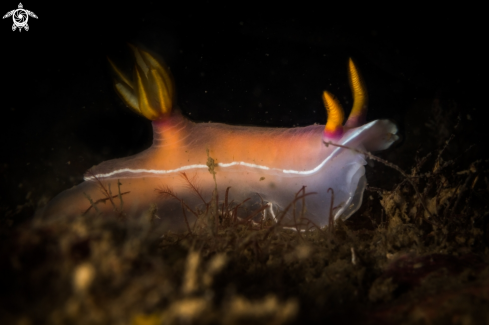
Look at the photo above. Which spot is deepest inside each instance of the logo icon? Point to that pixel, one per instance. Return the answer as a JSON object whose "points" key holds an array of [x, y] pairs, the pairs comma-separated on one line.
{"points": [[20, 17]]}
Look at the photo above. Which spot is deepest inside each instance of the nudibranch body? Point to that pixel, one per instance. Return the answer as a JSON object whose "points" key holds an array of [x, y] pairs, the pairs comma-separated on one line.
{"points": [[262, 167]]}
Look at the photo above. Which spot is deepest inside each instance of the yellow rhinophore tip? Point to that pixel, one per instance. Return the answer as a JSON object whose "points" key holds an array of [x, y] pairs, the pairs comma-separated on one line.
{"points": [[152, 92], [360, 97], [334, 126]]}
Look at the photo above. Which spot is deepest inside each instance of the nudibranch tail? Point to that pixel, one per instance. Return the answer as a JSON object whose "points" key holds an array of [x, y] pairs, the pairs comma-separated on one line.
{"points": [[152, 92], [360, 98], [336, 116]]}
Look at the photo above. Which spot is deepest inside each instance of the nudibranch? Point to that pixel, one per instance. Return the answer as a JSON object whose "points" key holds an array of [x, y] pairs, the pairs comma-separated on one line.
{"points": [[252, 167]]}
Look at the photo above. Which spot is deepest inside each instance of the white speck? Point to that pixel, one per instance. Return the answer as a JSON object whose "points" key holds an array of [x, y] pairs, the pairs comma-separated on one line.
{"points": [[353, 256]]}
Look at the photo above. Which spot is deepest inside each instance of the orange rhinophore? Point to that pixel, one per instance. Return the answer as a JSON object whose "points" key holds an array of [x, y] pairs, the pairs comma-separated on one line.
{"points": [[255, 166]]}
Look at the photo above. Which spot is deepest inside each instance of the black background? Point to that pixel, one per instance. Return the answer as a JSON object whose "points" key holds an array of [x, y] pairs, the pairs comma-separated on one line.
{"points": [[60, 114]]}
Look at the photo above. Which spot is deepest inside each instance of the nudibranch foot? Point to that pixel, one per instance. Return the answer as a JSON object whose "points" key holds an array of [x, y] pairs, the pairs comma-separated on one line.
{"points": [[259, 172]]}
